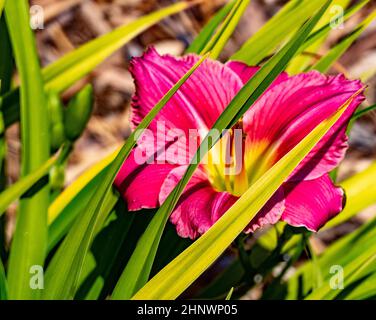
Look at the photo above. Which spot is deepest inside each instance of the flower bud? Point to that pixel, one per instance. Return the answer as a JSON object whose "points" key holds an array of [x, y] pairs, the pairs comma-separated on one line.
{"points": [[55, 113], [78, 112]]}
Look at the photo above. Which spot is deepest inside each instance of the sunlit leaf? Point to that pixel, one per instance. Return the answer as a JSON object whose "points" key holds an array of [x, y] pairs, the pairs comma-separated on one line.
{"points": [[61, 74], [30, 237], [326, 61], [77, 185], [324, 30], [363, 289], [207, 32], [69, 204], [1, 6], [276, 30], [228, 297], [220, 38], [299, 63], [340, 253], [360, 190], [15, 191], [316, 39], [353, 271]]}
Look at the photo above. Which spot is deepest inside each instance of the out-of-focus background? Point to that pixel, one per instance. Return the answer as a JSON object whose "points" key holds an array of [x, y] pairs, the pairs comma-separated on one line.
{"points": [[70, 23]]}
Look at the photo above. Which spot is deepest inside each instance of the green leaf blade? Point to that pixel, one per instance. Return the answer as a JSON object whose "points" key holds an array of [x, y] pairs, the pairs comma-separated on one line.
{"points": [[207, 32], [3, 283], [15, 191], [277, 29], [67, 70], [360, 191], [30, 238], [219, 40], [336, 52]]}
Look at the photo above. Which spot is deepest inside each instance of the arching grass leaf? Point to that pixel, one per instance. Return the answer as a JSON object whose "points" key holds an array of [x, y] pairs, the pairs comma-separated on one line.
{"points": [[360, 190], [340, 253], [30, 238], [63, 73], [207, 32], [316, 39], [276, 30], [223, 34], [326, 61], [15, 191]]}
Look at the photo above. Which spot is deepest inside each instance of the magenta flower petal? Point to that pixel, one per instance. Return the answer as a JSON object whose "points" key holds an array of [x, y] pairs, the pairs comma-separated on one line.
{"points": [[140, 184], [199, 207], [311, 203], [286, 113], [270, 214], [196, 105], [200, 100], [246, 72]]}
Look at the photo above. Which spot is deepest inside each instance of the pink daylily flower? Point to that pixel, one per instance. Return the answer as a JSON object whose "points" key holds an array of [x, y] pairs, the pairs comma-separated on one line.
{"points": [[290, 108]]}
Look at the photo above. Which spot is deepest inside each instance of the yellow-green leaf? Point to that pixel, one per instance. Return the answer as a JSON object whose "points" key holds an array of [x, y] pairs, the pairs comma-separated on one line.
{"points": [[16, 190], [207, 32], [29, 241], [332, 56], [276, 30], [360, 190], [61, 74], [1, 6], [302, 61], [219, 40]]}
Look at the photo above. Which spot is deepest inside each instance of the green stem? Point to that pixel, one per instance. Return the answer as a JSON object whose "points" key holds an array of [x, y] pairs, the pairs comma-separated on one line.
{"points": [[244, 258]]}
